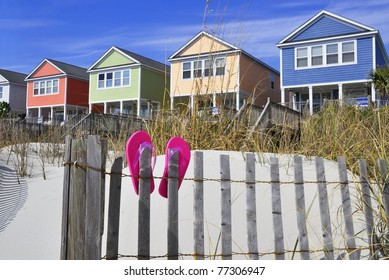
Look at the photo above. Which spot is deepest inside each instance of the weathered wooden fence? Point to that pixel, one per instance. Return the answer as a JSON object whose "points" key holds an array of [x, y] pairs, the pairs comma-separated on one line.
{"points": [[83, 208]]}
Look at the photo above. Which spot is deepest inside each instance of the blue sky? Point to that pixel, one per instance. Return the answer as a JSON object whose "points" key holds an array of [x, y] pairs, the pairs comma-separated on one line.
{"points": [[79, 32]]}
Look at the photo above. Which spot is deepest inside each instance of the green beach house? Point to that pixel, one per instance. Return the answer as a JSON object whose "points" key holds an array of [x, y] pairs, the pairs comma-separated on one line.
{"points": [[122, 82]]}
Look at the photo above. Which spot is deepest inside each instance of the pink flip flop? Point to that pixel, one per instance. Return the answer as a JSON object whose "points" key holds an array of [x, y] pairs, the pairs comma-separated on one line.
{"points": [[180, 145], [134, 147]]}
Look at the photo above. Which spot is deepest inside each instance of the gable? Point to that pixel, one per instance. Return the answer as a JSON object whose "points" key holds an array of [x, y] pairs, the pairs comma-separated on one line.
{"points": [[3, 80], [46, 69], [204, 44], [112, 59], [326, 26]]}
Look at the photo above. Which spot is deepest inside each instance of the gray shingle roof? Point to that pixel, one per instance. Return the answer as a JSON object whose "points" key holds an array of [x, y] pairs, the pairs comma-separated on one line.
{"points": [[13, 77], [71, 70]]}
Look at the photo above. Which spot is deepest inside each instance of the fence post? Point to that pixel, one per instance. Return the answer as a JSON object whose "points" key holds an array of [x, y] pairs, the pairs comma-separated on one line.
{"points": [[300, 208], [144, 206], [324, 209], [276, 209], [172, 236], [251, 210], [347, 210], [367, 207], [65, 195], [198, 204], [226, 207], [114, 209], [76, 220]]}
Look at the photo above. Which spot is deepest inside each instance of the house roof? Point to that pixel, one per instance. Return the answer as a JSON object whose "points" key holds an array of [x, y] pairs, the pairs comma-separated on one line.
{"points": [[142, 60], [231, 47], [358, 27], [65, 68], [13, 77]]}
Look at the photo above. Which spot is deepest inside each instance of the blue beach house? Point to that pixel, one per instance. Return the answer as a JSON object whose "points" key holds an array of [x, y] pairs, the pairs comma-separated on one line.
{"points": [[329, 57]]}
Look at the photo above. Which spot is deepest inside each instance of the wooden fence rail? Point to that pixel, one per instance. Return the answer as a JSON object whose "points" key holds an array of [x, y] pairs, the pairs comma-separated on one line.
{"points": [[83, 209]]}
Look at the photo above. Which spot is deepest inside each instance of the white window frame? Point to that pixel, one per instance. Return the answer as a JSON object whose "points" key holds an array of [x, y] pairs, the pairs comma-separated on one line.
{"points": [[324, 55], [1, 92], [45, 87], [116, 81], [201, 66]]}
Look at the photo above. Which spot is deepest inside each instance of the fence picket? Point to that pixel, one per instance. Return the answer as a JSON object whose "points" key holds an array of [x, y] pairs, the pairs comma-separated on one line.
{"points": [[173, 206], [198, 206], [385, 192], [324, 210], [251, 210], [300, 208], [367, 207], [65, 198], [276, 209], [226, 207], [144, 205], [347, 210], [114, 209]]}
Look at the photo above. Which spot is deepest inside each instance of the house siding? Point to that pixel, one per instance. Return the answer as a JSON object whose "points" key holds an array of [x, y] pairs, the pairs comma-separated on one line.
{"points": [[325, 27], [77, 92], [203, 45], [353, 72], [46, 70], [118, 93], [256, 79], [114, 59], [46, 100], [380, 60], [205, 85], [154, 84], [17, 98]]}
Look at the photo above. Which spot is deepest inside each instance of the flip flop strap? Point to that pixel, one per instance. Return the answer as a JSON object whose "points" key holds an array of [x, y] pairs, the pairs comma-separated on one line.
{"points": [[142, 147]]}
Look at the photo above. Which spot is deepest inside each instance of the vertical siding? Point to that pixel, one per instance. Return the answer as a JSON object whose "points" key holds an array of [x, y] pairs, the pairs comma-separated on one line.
{"points": [[77, 92], [255, 79], [325, 27], [327, 74]]}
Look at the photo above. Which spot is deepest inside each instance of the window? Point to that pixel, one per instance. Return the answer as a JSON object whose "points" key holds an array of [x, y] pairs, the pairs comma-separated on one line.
{"points": [[1, 92], [108, 79], [113, 79], [272, 80], [204, 68], [302, 57], [46, 87], [348, 52], [317, 56], [220, 66], [332, 54], [186, 70], [126, 78], [197, 69], [208, 68], [118, 79]]}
